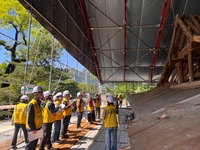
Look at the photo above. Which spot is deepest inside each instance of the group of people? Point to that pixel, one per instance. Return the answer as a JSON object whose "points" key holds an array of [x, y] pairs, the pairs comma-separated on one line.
{"points": [[46, 110], [42, 112]]}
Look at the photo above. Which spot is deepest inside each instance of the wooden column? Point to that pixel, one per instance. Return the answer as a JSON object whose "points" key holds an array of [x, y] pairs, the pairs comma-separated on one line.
{"points": [[198, 65], [190, 66], [180, 72]]}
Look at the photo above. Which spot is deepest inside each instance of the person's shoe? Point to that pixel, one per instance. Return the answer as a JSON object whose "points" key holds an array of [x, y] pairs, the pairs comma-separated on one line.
{"points": [[55, 143], [52, 148], [64, 136], [14, 148], [59, 141]]}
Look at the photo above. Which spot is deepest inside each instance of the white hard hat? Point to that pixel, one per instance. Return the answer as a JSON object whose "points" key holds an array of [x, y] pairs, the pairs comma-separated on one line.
{"points": [[54, 98], [65, 92], [89, 95], [37, 89], [110, 99], [24, 98], [79, 94], [47, 93], [59, 94]]}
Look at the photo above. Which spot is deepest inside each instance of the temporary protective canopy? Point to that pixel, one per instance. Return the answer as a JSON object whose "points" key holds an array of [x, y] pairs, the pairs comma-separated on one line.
{"points": [[116, 40]]}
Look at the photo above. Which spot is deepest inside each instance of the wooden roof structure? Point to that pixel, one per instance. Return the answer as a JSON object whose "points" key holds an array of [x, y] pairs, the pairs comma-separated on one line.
{"points": [[183, 61]]}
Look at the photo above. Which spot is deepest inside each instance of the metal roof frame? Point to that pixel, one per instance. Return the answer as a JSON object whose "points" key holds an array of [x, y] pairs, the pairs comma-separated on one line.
{"points": [[117, 41]]}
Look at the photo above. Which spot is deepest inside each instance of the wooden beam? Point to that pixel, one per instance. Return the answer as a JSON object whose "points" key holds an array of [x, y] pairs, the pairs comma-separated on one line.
{"points": [[198, 65], [185, 51], [192, 26], [180, 72], [195, 21], [182, 44], [184, 28], [190, 66], [184, 59], [174, 75], [172, 40], [196, 38]]}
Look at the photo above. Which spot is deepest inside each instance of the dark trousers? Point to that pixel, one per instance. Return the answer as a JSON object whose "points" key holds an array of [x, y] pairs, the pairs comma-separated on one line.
{"points": [[65, 124], [33, 144], [79, 118], [91, 116], [17, 127], [46, 136], [56, 131]]}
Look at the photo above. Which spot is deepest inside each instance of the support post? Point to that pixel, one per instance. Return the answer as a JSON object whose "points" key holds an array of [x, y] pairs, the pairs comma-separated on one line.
{"points": [[190, 66]]}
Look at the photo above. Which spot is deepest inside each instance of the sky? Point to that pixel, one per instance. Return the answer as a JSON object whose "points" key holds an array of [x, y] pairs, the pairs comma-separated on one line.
{"points": [[72, 63]]}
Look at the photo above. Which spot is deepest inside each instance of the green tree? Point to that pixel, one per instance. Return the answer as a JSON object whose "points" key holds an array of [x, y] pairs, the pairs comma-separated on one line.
{"points": [[15, 18], [69, 85]]}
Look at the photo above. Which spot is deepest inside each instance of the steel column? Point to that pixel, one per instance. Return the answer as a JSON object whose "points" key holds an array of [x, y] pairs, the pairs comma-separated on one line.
{"points": [[159, 37], [90, 37], [124, 29]]}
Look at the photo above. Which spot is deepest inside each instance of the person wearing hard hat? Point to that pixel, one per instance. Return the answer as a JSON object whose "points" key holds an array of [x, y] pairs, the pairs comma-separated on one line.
{"points": [[19, 120], [97, 104], [91, 115], [110, 122], [79, 109], [57, 124], [34, 119], [66, 113], [49, 116]]}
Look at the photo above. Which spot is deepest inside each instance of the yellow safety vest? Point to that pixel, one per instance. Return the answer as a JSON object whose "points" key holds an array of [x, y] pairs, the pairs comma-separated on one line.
{"points": [[59, 114], [90, 108], [20, 113], [110, 120], [97, 103], [68, 111], [81, 107], [48, 116], [37, 115]]}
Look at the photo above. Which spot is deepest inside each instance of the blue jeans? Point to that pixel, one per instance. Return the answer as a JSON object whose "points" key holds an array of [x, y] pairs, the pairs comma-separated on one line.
{"points": [[79, 118], [97, 112], [17, 127], [111, 132], [56, 131]]}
